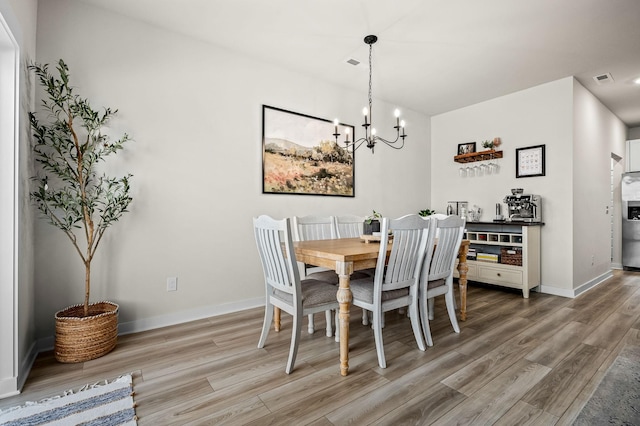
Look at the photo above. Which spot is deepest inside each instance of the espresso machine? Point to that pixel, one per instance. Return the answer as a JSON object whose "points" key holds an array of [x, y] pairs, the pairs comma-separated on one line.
{"points": [[523, 207]]}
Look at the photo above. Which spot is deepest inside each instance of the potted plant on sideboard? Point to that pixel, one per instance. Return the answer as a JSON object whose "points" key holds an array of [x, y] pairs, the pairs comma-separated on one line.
{"points": [[78, 200]]}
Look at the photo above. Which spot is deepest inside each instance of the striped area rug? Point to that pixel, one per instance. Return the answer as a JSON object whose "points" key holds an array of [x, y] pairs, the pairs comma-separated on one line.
{"points": [[104, 404]]}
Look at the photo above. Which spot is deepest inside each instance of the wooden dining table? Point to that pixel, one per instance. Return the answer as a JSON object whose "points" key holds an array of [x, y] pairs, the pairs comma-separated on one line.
{"points": [[347, 255]]}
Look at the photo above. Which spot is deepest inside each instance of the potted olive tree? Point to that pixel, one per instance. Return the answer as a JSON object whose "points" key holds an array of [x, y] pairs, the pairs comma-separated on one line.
{"points": [[77, 199]]}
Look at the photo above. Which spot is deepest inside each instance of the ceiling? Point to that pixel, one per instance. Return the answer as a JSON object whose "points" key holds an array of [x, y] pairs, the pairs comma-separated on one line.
{"points": [[431, 56]]}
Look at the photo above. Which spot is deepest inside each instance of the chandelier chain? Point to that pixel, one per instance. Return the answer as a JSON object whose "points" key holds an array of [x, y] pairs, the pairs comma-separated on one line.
{"points": [[370, 85]]}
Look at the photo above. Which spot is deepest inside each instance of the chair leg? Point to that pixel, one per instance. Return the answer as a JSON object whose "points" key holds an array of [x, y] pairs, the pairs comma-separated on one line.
{"points": [[451, 308], [268, 317], [431, 308], [327, 316], [415, 324], [295, 336], [365, 317], [311, 329], [377, 333], [424, 318]]}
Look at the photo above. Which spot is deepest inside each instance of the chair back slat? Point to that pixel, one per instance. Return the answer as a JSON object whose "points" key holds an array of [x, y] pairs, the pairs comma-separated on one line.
{"points": [[307, 228], [410, 239], [449, 236], [349, 226], [275, 247]]}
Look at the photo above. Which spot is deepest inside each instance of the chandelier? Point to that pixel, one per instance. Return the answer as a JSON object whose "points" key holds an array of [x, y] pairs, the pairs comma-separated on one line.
{"points": [[370, 137]]}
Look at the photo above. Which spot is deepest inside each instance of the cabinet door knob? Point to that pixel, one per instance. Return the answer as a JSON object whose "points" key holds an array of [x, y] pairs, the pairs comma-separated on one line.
{"points": [[498, 274]]}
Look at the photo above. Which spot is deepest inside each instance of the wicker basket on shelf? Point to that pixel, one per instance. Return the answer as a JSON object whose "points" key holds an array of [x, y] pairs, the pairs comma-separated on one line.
{"points": [[511, 256]]}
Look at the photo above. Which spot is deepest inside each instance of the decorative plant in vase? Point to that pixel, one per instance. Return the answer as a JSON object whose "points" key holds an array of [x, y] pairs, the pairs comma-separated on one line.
{"points": [[491, 144], [372, 223], [426, 212], [78, 200]]}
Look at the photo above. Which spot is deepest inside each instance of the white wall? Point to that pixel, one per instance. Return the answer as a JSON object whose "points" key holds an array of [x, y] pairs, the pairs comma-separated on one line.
{"points": [[194, 111], [539, 115], [598, 133], [634, 133]]}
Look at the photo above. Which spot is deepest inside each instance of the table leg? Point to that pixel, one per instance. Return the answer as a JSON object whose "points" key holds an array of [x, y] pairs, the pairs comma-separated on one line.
{"points": [[463, 268], [276, 318], [344, 270]]}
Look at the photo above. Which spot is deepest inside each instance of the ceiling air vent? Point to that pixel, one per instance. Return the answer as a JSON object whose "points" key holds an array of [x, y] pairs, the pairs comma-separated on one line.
{"points": [[603, 78], [353, 61]]}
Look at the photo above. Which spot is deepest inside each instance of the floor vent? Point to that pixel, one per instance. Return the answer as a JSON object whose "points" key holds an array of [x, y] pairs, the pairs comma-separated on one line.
{"points": [[353, 61]]}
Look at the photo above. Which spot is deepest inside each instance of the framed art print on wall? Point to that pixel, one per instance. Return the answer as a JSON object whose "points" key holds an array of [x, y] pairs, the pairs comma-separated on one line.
{"points": [[530, 161], [300, 155]]}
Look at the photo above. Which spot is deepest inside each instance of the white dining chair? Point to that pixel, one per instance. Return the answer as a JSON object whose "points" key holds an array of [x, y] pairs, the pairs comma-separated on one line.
{"points": [[352, 226], [437, 272], [395, 283], [315, 227], [284, 288], [349, 226]]}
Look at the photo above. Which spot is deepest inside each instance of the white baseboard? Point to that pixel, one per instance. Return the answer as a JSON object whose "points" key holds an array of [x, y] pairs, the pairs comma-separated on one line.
{"points": [[592, 283], [8, 387], [144, 324], [12, 386], [575, 292], [556, 291], [186, 316], [27, 363]]}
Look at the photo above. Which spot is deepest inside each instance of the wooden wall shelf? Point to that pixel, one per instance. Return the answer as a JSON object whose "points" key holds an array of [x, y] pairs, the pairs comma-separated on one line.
{"points": [[477, 156]]}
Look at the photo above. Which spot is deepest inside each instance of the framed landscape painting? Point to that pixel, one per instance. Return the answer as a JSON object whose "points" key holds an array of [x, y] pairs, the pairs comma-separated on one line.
{"points": [[300, 155]]}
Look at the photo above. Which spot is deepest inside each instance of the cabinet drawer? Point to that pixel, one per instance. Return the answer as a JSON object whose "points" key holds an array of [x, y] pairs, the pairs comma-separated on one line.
{"points": [[499, 275]]}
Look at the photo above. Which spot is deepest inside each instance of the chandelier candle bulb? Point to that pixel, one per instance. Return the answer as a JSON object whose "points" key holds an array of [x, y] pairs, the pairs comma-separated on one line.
{"points": [[346, 132]]}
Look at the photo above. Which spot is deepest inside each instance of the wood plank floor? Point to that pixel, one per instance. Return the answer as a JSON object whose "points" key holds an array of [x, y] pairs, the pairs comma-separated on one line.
{"points": [[516, 361]]}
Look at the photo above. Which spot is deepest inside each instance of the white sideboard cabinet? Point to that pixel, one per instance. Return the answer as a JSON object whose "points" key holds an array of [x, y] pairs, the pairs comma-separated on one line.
{"points": [[507, 254]]}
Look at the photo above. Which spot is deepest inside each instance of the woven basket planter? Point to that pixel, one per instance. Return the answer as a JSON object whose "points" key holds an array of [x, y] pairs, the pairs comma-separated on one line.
{"points": [[80, 338]]}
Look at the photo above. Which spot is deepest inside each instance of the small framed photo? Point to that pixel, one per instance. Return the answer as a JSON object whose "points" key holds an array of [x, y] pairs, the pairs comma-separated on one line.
{"points": [[530, 161], [466, 148]]}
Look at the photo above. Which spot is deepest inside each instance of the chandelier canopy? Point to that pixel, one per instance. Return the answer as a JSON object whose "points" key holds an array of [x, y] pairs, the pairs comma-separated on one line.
{"points": [[370, 137]]}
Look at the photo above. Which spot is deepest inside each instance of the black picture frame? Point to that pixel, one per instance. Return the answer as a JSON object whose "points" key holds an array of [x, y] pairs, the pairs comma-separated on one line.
{"points": [[466, 148], [300, 155], [530, 161]]}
